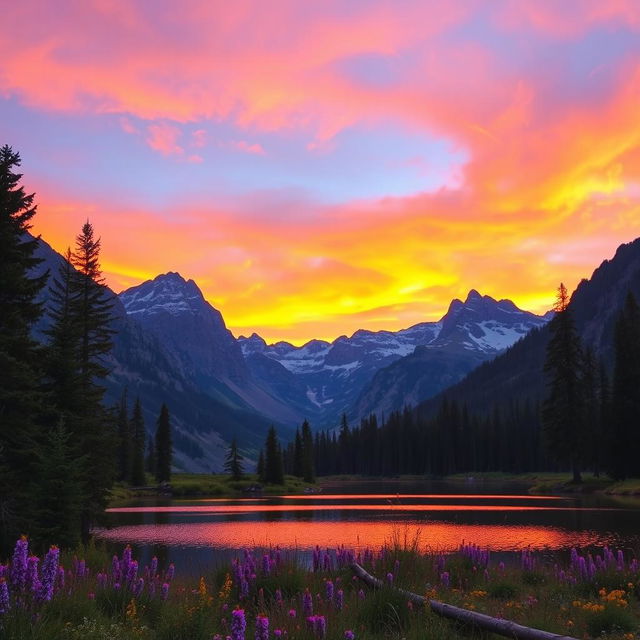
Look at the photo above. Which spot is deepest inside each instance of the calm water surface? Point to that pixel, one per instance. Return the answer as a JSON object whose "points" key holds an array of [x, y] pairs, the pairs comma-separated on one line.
{"points": [[204, 532]]}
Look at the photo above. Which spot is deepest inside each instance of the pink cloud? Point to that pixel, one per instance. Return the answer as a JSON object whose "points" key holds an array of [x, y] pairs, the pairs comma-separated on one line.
{"points": [[164, 138], [199, 138], [247, 147]]}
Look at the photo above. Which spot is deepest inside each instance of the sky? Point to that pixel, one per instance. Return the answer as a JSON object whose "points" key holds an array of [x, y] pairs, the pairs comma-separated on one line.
{"points": [[319, 167]]}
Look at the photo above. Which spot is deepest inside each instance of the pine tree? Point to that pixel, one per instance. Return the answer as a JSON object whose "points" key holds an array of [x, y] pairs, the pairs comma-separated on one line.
{"points": [[63, 377], [138, 477], [260, 466], [625, 402], [164, 446], [125, 440], [20, 398], [344, 441], [563, 410], [91, 312], [233, 462], [308, 469], [273, 470], [297, 455], [150, 459], [59, 503]]}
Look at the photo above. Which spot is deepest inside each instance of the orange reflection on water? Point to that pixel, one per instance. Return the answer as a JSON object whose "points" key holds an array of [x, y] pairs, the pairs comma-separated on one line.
{"points": [[421, 496], [290, 508], [436, 536]]}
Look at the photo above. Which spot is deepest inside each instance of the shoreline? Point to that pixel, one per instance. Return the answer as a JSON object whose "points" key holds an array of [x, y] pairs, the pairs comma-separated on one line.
{"points": [[194, 485]]}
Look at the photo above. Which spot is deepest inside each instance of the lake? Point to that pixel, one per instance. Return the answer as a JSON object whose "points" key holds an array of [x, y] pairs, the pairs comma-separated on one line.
{"points": [[201, 533]]}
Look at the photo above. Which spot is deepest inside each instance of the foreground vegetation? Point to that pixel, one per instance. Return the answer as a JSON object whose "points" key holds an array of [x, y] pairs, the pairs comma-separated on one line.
{"points": [[187, 485], [273, 594]]}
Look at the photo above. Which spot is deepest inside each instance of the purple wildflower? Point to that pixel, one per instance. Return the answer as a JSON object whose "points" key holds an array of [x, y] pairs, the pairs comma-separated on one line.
{"points": [[81, 569], [277, 633], [318, 625], [349, 635], [390, 577], [279, 597], [244, 589], [132, 572], [4, 596], [164, 591], [329, 590], [61, 575], [33, 581], [361, 594], [126, 560], [137, 587], [262, 628], [339, 599], [238, 624], [116, 572], [266, 564], [49, 573], [292, 613], [444, 579], [307, 603], [18, 571], [170, 572], [153, 570]]}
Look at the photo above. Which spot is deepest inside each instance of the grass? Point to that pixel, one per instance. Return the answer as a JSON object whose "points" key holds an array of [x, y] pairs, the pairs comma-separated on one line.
{"points": [[556, 482], [187, 485], [545, 594]]}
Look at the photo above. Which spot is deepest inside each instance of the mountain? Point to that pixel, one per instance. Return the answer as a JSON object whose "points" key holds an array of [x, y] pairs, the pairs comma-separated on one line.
{"points": [[328, 376], [382, 370], [194, 333], [203, 423], [471, 332], [516, 377]]}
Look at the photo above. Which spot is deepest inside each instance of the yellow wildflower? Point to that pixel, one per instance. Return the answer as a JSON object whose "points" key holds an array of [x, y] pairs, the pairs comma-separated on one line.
{"points": [[226, 588]]}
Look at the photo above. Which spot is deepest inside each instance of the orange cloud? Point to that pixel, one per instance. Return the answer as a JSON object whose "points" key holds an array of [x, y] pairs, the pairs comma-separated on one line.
{"points": [[550, 186]]}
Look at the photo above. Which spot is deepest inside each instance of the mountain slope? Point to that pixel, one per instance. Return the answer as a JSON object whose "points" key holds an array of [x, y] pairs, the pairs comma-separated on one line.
{"points": [[194, 333], [327, 377], [472, 332], [140, 363], [383, 370], [517, 375]]}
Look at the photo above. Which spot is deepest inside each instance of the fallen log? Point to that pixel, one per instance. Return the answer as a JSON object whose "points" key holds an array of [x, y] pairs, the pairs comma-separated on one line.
{"points": [[478, 620]]}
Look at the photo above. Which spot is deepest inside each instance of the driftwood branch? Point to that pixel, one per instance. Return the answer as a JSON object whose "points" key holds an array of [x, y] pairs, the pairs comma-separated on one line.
{"points": [[478, 620]]}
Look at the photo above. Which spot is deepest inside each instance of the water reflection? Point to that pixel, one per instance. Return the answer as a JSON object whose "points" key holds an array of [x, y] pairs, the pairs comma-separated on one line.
{"points": [[440, 536], [502, 522]]}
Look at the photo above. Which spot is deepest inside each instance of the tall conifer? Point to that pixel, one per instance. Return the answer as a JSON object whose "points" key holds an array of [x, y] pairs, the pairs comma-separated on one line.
{"points": [[164, 446], [563, 410], [91, 309], [233, 462], [308, 469], [625, 407], [19, 355], [273, 468], [138, 477]]}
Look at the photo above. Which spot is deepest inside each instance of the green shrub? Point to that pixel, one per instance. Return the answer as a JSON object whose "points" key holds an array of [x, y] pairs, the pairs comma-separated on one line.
{"points": [[384, 611], [502, 590], [610, 619]]}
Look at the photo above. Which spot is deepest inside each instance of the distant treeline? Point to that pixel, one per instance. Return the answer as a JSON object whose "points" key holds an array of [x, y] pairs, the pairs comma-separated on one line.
{"points": [[578, 414]]}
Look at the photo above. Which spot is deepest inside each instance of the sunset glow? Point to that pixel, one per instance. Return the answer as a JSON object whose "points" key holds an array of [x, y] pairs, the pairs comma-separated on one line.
{"points": [[320, 167]]}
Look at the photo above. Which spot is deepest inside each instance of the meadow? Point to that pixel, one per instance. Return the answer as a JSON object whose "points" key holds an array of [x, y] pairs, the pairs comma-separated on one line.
{"points": [[275, 594]]}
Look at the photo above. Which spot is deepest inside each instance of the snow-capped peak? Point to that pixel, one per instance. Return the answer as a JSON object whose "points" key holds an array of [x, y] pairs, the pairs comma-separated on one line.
{"points": [[168, 293]]}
